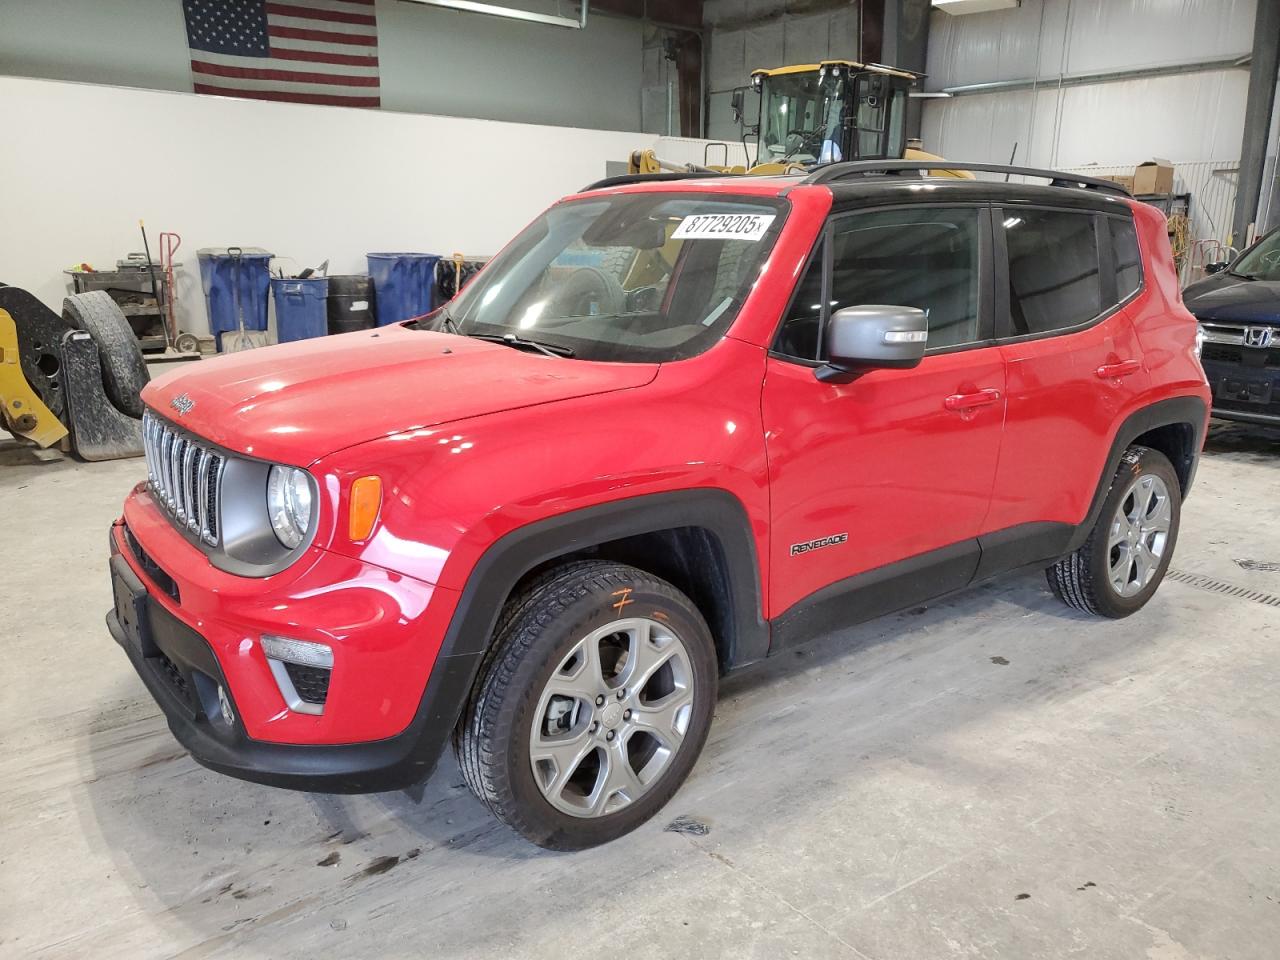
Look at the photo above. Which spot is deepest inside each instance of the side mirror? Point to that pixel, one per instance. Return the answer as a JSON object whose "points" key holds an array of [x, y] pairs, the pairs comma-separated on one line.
{"points": [[736, 103], [1217, 267], [868, 337]]}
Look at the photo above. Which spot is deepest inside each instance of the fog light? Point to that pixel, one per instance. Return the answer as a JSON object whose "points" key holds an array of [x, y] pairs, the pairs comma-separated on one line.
{"points": [[301, 670], [224, 704], [298, 651]]}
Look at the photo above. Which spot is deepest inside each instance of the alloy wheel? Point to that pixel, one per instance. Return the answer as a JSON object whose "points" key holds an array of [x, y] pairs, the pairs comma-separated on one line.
{"points": [[612, 717], [1139, 535]]}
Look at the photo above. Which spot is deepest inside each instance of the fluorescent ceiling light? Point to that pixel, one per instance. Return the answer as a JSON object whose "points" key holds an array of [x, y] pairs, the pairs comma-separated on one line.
{"points": [[958, 7], [509, 13], [929, 95]]}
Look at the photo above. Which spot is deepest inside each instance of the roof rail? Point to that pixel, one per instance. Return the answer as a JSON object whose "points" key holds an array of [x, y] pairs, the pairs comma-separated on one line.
{"points": [[855, 168], [625, 178]]}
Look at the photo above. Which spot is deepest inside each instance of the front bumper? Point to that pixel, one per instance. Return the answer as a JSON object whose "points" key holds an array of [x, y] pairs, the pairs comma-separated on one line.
{"points": [[391, 707], [1245, 384]]}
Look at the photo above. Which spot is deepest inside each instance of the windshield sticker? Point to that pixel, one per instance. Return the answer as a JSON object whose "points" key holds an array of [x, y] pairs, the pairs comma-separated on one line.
{"points": [[723, 226]]}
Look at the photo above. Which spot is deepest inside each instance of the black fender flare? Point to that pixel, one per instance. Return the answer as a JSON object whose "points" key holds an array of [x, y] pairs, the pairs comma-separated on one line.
{"points": [[1188, 410], [509, 558]]}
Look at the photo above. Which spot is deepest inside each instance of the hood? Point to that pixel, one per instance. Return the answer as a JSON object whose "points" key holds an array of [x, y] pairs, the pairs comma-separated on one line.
{"points": [[1234, 299], [297, 402]]}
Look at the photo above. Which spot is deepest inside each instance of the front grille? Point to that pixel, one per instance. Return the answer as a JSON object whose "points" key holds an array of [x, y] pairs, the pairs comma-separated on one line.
{"points": [[1248, 356], [150, 567], [185, 476], [311, 683]]}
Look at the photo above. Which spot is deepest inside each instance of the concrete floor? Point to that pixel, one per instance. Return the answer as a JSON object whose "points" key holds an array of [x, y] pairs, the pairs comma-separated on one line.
{"points": [[993, 776]]}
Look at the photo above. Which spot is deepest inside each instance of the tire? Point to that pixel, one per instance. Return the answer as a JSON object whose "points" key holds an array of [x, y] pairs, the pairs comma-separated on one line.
{"points": [[124, 372], [1087, 578], [542, 643]]}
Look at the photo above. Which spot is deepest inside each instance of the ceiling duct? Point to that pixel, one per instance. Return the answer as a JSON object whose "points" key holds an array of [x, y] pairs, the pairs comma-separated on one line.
{"points": [[510, 13], [957, 7]]}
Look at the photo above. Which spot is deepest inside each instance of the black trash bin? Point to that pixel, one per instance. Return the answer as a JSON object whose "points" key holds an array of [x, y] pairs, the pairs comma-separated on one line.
{"points": [[350, 303]]}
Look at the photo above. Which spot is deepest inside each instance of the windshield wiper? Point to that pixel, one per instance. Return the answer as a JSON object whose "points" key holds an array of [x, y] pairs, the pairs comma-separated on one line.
{"points": [[524, 343]]}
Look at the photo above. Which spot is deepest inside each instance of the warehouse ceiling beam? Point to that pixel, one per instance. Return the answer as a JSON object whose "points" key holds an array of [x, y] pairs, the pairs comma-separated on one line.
{"points": [[510, 13]]}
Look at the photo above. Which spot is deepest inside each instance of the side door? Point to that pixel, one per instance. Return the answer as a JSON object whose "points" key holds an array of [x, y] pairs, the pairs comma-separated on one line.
{"points": [[896, 465], [1073, 361]]}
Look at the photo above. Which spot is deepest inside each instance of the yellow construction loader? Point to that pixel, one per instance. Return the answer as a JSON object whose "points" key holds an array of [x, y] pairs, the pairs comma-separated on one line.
{"points": [[816, 113]]}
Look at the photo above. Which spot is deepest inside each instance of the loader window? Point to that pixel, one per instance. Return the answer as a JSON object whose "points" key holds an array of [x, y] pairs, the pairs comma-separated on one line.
{"points": [[632, 277], [802, 118]]}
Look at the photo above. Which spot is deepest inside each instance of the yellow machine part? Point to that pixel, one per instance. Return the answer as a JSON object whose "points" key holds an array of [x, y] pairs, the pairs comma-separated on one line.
{"points": [[22, 410], [843, 64], [647, 161], [913, 154]]}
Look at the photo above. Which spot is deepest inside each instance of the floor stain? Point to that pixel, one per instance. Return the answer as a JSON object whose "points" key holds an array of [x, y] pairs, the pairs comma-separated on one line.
{"points": [[380, 865], [1000, 661], [689, 826], [330, 860], [1264, 565]]}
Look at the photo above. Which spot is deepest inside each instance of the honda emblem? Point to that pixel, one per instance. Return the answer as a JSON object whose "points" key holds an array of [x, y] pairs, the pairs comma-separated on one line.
{"points": [[1260, 337]]}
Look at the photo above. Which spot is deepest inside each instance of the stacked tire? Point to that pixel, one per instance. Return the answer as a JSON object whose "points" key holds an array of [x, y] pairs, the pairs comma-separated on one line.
{"points": [[124, 371]]}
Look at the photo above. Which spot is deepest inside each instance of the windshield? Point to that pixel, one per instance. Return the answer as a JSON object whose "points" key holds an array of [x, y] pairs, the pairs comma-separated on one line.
{"points": [[636, 277], [1262, 262], [801, 118]]}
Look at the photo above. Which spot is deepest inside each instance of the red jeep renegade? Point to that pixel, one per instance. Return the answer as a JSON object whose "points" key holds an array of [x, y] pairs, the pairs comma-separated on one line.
{"points": [[677, 425]]}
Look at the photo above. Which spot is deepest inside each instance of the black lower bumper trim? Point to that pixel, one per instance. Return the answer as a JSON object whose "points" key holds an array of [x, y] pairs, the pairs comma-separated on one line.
{"points": [[1248, 416], [181, 672]]}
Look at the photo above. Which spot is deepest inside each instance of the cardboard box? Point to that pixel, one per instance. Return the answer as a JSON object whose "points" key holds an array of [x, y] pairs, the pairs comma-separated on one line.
{"points": [[1126, 182], [1154, 176]]}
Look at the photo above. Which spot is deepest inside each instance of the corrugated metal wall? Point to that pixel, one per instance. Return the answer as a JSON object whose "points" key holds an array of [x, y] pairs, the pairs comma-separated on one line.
{"points": [[1183, 117], [1044, 38]]}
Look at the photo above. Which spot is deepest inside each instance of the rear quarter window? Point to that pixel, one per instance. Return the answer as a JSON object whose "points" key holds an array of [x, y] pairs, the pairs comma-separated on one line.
{"points": [[1128, 260]]}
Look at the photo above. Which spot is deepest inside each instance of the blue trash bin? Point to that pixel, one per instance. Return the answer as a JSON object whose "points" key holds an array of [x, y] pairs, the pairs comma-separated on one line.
{"points": [[235, 280], [300, 308], [402, 284]]}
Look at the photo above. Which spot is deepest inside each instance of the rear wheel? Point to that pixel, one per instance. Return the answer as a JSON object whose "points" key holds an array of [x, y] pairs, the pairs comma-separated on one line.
{"points": [[1119, 567], [592, 706]]}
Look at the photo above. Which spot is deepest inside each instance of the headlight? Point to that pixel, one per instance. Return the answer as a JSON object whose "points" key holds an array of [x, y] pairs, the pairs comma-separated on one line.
{"points": [[1199, 340], [289, 504]]}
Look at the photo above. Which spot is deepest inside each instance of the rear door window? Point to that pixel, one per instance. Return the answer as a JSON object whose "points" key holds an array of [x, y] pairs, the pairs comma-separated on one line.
{"points": [[1124, 252], [1055, 279]]}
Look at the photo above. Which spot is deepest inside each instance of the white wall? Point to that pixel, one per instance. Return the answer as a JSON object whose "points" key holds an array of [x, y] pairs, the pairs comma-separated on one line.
{"points": [[431, 60], [1185, 117], [82, 163]]}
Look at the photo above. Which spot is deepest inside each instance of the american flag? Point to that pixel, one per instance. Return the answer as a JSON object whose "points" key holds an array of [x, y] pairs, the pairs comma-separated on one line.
{"points": [[303, 51]]}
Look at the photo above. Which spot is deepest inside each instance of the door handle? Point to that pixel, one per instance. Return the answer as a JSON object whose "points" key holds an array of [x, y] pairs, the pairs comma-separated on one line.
{"points": [[1113, 371], [969, 401]]}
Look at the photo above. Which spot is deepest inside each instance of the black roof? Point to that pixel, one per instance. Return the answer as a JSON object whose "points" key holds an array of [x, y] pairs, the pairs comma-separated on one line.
{"points": [[879, 191]]}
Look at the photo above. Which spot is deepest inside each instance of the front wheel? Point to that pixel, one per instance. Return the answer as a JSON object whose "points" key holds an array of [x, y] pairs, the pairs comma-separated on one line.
{"points": [[1119, 567], [592, 706]]}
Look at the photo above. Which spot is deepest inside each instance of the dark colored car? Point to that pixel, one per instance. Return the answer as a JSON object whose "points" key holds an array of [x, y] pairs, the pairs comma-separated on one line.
{"points": [[1238, 307]]}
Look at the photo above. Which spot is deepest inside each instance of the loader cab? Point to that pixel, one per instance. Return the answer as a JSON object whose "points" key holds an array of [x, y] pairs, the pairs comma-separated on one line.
{"points": [[831, 111]]}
